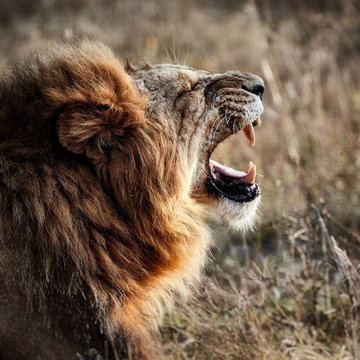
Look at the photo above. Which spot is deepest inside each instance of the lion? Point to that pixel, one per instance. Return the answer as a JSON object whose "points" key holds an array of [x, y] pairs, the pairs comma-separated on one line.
{"points": [[105, 177]]}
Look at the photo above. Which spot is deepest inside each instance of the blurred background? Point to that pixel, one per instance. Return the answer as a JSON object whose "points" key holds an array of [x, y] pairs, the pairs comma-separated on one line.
{"points": [[307, 154]]}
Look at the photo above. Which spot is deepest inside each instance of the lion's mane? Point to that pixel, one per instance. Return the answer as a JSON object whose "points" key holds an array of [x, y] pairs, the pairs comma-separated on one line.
{"points": [[86, 235]]}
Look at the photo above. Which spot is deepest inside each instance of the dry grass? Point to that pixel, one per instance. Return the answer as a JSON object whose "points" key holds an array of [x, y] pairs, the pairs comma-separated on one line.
{"points": [[288, 291], [304, 306]]}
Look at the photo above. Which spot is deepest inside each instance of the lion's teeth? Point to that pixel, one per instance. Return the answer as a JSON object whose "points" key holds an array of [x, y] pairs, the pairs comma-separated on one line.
{"points": [[211, 167], [251, 175], [250, 134], [251, 164]]}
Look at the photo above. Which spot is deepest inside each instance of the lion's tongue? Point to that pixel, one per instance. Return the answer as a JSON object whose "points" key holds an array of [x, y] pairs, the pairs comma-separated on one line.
{"points": [[248, 176]]}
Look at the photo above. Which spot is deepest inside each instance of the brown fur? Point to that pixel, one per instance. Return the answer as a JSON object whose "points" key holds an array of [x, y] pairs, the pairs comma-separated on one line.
{"points": [[98, 226]]}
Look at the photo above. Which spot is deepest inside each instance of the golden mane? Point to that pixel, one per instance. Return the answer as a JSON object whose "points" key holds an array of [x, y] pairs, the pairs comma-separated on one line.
{"points": [[100, 216], [132, 238]]}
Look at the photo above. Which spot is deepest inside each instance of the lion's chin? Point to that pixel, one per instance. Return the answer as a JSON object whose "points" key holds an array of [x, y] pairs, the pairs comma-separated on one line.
{"points": [[240, 216]]}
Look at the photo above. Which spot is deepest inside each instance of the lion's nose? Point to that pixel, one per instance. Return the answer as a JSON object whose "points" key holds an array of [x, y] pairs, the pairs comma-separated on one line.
{"points": [[257, 89]]}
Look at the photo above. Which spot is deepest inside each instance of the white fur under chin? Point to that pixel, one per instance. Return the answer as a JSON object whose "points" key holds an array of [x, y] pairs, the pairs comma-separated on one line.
{"points": [[241, 216]]}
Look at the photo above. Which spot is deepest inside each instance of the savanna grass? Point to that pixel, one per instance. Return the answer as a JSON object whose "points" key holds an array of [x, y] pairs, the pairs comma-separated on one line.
{"points": [[289, 290]]}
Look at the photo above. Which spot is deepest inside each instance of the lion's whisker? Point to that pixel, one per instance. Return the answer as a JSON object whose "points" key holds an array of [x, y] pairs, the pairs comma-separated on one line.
{"points": [[214, 122], [167, 53], [214, 133], [213, 129]]}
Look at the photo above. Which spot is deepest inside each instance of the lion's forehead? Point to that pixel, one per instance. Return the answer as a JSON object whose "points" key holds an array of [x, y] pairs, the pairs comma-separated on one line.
{"points": [[176, 76], [176, 70]]}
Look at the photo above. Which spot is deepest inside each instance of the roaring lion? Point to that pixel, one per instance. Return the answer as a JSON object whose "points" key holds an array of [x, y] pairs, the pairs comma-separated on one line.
{"points": [[104, 172]]}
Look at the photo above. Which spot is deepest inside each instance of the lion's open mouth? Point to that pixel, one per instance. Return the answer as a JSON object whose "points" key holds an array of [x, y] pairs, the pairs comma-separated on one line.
{"points": [[235, 185]]}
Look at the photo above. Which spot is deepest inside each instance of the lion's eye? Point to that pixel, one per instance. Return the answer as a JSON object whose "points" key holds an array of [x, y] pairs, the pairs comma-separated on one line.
{"points": [[200, 84]]}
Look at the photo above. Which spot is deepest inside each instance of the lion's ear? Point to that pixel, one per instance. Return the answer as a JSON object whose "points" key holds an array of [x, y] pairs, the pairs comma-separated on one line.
{"points": [[93, 95], [84, 127]]}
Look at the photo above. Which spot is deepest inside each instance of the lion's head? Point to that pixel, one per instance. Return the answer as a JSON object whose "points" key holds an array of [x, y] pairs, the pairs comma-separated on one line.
{"points": [[204, 109], [104, 170]]}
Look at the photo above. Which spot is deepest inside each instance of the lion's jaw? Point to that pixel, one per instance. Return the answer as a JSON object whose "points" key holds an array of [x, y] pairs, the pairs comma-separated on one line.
{"points": [[204, 109]]}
